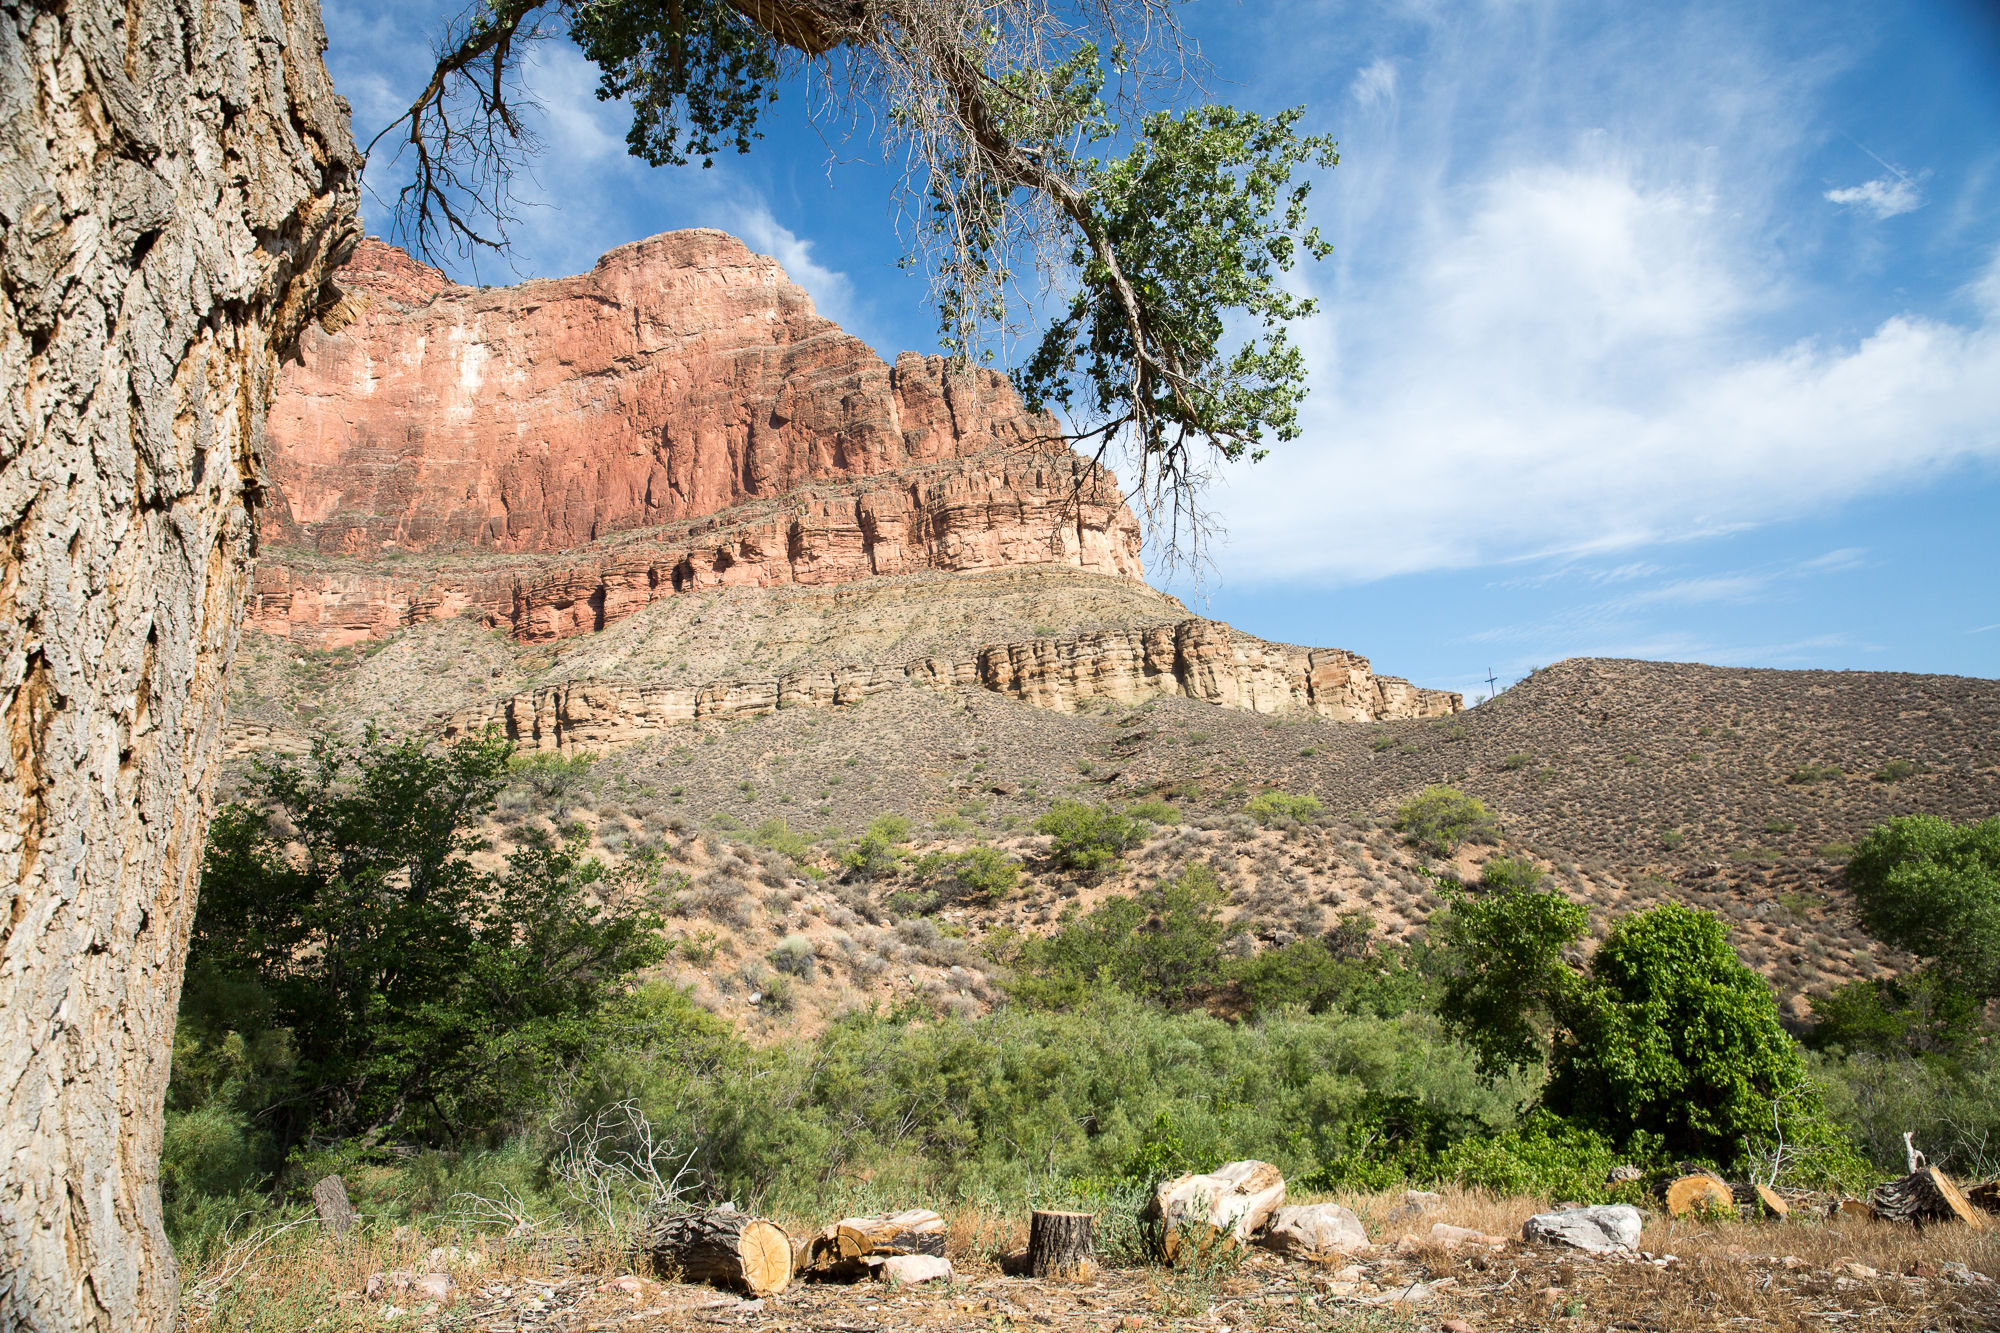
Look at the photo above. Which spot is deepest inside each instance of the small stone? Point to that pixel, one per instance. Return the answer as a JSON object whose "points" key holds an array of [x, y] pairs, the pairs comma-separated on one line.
{"points": [[1620, 1174], [1456, 1326], [1314, 1230], [1451, 1237]]}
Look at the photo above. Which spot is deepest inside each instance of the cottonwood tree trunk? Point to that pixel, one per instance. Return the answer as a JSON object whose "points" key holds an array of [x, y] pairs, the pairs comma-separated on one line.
{"points": [[176, 181]]}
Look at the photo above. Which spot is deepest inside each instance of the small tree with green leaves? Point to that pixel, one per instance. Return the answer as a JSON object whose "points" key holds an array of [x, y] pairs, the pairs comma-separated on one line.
{"points": [[418, 995], [1932, 887], [1667, 1040], [1088, 840]]}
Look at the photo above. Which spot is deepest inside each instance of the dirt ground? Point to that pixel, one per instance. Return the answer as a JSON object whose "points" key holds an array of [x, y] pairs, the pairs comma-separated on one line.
{"points": [[1786, 1276]]}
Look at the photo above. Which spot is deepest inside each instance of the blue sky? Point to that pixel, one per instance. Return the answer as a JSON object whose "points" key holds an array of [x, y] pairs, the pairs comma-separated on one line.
{"points": [[1665, 331]]}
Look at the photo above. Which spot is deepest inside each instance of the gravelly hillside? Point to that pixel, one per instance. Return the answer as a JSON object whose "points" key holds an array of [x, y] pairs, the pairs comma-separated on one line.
{"points": [[1632, 781]]}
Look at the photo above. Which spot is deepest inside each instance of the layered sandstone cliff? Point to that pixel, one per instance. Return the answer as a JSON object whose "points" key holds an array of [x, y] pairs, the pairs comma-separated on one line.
{"points": [[1197, 659], [554, 456]]}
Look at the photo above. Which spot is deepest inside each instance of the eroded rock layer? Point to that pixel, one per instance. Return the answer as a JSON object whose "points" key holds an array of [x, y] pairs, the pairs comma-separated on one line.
{"points": [[558, 454], [1197, 659]]}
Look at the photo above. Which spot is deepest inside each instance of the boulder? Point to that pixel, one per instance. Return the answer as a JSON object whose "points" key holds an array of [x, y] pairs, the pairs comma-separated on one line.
{"points": [[1314, 1230], [1603, 1229]]}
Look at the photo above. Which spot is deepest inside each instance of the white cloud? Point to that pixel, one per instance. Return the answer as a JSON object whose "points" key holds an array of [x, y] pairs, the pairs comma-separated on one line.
{"points": [[1573, 364], [832, 292], [1375, 84], [1884, 196]]}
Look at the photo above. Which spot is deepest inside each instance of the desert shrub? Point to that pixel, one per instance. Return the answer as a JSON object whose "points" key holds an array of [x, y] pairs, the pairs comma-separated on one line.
{"points": [[1153, 812], [980, 873], [1087, 840], [1896, 770], [874, 854], [777, 835], [1673, 839], [551, 775], [1443, 818], [1162, 945], [1272, 806], [793, 956], [1812, 773], [1513, 763], [1510, 874], [1338, 972], [1950, 1106]]}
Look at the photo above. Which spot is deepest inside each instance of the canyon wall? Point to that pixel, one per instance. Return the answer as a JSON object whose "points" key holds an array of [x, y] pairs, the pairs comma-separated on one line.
{"points": [[553, 456], [1198, 659]]}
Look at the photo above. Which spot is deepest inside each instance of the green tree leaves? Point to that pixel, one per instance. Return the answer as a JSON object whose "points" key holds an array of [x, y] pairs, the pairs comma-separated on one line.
{"points": [[1159, 946], [1668, 1035], [1932, 887], [416, 993]]}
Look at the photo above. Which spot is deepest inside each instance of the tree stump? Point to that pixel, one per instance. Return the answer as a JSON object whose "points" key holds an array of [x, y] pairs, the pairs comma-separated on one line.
{"points": [[1985, 1197], [1772, 1202], [329, 1198], [1699, 1194], [724, 1247], [1925, 1195], [1062, 1245]]}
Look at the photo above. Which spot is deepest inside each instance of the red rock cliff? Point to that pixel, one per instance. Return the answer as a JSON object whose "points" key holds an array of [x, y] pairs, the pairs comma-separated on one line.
{"points": [[682, 379]]}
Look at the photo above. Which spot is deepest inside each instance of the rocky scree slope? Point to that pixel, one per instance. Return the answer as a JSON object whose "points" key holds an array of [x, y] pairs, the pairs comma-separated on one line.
{"points": [[1591, 768]]}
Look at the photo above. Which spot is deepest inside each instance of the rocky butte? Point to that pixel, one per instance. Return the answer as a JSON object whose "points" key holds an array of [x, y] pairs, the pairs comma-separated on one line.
{"points": [[552, 458]]}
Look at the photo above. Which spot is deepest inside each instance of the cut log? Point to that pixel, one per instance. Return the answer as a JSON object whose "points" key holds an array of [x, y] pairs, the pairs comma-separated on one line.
{"points": [[724, 1247], [1985, 1197], [1769, 1199], [1691, 1195], [330, 1200], [912, 1231], [1062, 1246], [1852, 1210], [1219, 1210], [1925, 1195]]}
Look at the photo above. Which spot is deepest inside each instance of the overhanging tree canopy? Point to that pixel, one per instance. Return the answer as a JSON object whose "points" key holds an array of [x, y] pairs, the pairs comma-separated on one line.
{"points": [[1165, 261]]}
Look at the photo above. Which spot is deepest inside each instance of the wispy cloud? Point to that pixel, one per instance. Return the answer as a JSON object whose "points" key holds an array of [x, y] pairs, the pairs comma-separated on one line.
{"points": [[832, 292], [1375, 84], [1885, 196], [1561, 320]]}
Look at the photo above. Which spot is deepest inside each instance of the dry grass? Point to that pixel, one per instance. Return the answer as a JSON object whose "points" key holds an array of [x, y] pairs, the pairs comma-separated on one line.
{"points": [[1732, 1276]]}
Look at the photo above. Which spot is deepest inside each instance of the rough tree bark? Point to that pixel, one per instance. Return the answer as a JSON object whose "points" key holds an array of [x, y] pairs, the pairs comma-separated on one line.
{"points": [[176, 182]]}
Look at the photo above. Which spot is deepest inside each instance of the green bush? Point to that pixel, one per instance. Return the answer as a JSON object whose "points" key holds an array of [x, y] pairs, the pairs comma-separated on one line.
{"points": [[1337, 974], [551, 775], [1443, 818], [1088, 840], [1153, 812], [1161, 945], [1812, 773], [874, 854], [1271, 806], [1896, 770], [1515, 762], [1509, 874], [981, 874], [777, 835]]}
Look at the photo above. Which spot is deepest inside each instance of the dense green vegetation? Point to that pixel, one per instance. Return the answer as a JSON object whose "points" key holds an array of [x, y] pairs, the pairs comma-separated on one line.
{"points": [[360, 998]]}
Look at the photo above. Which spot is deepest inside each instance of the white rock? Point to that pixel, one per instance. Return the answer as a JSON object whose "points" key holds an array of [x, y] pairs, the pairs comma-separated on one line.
{"points": [[910, 1269], [1315, 1229], [1603, 1229]]}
